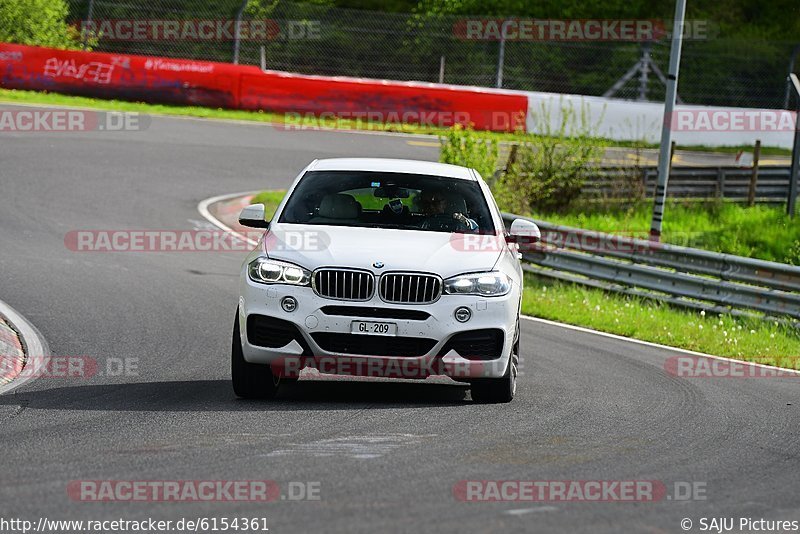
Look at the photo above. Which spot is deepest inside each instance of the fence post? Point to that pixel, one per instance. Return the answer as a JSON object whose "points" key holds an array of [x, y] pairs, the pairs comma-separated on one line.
{"points": [[501, 57], [85, 25], [263, 58], [751, 194], [441, 69], [237, 36], [512, 156]]}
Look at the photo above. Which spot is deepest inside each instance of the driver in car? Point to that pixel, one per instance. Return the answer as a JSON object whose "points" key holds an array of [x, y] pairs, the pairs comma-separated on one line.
{"points": [[444, 212]]}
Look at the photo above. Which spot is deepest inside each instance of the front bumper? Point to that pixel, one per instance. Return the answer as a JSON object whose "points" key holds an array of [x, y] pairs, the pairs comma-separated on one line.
{"points": [[487, 313]]}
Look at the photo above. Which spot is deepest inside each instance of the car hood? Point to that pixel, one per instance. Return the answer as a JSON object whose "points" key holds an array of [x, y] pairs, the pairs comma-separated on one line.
{"points": [[442, 253]]}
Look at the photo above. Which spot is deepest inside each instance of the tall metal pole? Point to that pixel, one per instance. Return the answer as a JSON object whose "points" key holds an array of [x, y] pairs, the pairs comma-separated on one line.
{"points": [[664, 155], [501, 57], [790, 202], [237, 36]]}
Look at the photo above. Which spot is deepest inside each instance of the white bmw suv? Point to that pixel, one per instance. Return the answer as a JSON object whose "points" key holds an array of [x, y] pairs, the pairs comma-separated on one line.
{"points": [[382, 267]]}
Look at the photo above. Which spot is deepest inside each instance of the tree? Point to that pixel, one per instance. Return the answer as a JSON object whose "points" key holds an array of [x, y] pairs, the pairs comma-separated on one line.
{"points": [[37, 22]]}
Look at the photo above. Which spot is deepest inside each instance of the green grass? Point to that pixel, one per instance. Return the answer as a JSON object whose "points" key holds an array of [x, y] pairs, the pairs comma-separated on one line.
{"points": [[56, 99], [270, 199], [764, 232], [723, 335]]}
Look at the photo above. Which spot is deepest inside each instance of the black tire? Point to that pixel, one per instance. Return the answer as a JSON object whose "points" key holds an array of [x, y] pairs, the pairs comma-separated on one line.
{"points": [[499, 390], [250, 380]]}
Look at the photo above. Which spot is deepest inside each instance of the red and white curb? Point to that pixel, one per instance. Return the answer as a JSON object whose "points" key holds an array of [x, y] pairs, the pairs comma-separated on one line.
{"points": [[20, 345], [11, 353]]}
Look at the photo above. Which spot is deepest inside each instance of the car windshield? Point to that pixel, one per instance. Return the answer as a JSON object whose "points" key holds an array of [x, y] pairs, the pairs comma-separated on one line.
{"points": [[389, 200]]}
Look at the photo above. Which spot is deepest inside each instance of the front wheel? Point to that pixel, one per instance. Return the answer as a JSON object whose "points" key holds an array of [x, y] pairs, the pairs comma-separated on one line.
{"points": [[503, 389], [250, 380]]}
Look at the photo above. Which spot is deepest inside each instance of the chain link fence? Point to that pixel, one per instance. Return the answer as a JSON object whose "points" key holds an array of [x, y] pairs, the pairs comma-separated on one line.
{"points": [[324, 40]]}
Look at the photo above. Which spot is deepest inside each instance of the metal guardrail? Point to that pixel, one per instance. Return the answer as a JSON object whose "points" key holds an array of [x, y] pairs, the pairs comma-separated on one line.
{"points": [[730, 183], [679, 275]]}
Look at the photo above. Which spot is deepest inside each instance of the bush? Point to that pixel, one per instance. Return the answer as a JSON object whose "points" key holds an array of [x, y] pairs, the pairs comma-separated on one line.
{"points": [[550, 170], [462, 146], [38, 23]]}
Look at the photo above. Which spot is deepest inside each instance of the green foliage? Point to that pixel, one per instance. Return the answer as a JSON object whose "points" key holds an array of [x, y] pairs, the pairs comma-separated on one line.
{"points": [[463, 146], [763, 231], [271, 201], [37, 22], [550, 170]]}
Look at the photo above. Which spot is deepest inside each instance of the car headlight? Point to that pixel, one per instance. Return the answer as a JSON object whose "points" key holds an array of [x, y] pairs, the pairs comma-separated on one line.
{"points": [[267, 271], [492, 284]]}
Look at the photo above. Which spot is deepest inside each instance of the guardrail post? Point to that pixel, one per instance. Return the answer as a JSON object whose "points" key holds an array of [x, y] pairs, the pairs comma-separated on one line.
{"points": [[751, 193], [720, 183]]}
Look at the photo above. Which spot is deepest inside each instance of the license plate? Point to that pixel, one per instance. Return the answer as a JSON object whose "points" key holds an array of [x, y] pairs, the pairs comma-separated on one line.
{"points": [[374, 328]]}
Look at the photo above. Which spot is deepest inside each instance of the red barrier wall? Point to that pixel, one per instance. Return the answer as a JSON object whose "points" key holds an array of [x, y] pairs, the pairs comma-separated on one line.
{"points": [[202, 83]]}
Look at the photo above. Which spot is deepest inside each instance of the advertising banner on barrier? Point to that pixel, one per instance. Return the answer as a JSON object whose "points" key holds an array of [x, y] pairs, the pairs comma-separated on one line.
{"points": [[300, 97], [140, 78]]}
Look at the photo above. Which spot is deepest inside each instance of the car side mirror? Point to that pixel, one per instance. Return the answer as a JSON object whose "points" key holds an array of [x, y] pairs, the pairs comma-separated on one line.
{"points": [[524, 232], [253, 216]]}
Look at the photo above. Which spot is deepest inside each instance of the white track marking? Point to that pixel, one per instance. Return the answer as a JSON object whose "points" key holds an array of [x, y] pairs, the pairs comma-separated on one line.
{"points": [[358, 447]]}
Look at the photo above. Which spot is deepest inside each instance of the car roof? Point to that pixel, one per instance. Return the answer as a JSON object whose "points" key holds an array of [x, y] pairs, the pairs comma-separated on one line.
{"points": [[408, 166]]}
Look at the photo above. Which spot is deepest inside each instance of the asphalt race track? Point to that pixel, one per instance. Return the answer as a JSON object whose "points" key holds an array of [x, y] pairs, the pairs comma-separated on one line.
{"points": [[386, 455]]}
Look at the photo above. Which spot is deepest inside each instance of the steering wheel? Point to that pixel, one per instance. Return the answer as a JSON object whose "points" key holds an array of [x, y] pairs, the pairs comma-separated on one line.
{"points": [[443, 222]]}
